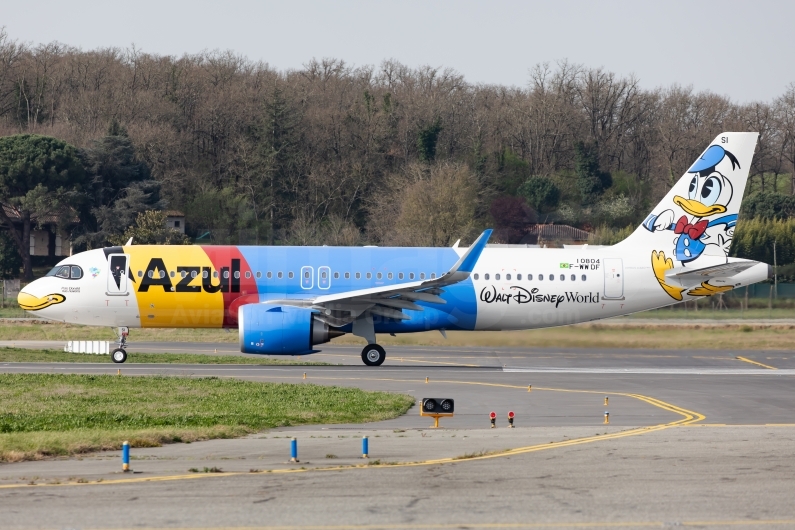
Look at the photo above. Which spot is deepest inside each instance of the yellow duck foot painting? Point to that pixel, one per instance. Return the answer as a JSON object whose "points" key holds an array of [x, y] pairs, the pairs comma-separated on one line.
{"points": [[660, 264], [706, 289]]}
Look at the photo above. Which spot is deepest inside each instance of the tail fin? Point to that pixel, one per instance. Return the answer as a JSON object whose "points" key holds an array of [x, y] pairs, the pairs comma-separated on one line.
{"points": [[697, 217]]}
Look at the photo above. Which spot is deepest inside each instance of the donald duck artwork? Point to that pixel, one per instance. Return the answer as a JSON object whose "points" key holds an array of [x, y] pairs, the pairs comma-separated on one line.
{"points": [[705, 228]]}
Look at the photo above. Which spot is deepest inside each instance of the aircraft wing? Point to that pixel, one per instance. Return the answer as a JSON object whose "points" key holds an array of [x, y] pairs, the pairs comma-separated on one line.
{"points": [[388, 301]]}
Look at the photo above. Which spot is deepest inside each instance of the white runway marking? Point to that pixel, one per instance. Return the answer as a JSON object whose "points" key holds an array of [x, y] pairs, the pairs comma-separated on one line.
{"points": [[652, 371]]}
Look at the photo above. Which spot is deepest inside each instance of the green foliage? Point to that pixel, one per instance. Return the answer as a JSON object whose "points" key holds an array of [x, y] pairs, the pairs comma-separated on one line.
{"points": [[150, 229], [512, 172], [768, 205], [607, 235], [753, 239], [427, 138], [540, 193], [224, 213], [40, 176], [10, 261], [591, 180]]}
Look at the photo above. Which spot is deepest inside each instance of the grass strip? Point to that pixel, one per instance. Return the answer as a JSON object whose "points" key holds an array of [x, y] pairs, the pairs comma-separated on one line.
{"points": [[44, 415], [22, 355]]}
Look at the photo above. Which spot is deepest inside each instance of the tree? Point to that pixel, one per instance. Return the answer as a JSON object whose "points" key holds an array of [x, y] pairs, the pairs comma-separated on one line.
{"points": [[768, 205], [511, 218], [39, 176], [591, 180], [150, 229], [540, 193], [10, 261], [427, 139], [121, 187]]}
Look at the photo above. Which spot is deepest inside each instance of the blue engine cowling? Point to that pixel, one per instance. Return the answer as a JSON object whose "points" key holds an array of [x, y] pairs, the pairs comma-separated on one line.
{"points": [[281, 329]]}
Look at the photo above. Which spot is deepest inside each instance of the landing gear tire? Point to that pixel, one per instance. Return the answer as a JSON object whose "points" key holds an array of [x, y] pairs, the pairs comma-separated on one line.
{"points": [[373, 355], [119, 355]]}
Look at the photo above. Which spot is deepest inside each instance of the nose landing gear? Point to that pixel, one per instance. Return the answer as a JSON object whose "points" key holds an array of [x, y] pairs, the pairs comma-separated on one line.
{"points": [[119, 355]]}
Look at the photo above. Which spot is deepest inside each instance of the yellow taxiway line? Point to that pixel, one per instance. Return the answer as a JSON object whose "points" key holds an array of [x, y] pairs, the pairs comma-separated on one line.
{"points": [[688, 417], [756, 363]]}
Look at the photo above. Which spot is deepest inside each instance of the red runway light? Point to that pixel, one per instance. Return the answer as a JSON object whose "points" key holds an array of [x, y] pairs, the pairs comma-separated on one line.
{"points": [[493, 415], [510, 414]]}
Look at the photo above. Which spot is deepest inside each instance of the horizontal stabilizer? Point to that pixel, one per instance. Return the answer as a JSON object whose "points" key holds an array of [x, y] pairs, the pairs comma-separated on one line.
{"points": [[724, 270]]}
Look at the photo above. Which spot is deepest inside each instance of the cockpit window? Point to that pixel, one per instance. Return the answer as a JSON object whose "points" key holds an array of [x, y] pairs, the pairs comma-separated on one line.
{"points": [[67, 272]]}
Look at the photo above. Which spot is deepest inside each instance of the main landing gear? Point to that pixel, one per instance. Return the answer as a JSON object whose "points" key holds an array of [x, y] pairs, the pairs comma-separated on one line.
{"points": [[373, 355], [119, 355]]}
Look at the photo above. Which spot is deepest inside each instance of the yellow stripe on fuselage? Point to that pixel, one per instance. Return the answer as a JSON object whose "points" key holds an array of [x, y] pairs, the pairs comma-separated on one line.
{"points": [[162, 305]]}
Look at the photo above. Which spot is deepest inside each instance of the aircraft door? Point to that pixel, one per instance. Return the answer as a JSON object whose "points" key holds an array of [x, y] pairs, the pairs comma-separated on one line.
{"points": [[118, 267], [614, 278], [324, 277], [307, 277]]}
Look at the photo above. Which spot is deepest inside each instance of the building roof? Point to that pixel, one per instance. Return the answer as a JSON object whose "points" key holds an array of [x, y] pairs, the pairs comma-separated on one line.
{"points": [[174, 213], [16, 217], [564, 232]]}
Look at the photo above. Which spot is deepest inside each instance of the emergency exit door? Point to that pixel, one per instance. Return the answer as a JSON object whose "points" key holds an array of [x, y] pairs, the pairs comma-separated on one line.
{"points": [[614, 278]]}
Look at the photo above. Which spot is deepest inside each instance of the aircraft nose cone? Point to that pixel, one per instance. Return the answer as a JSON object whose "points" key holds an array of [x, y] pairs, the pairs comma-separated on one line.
{"points": [[30, 302]]}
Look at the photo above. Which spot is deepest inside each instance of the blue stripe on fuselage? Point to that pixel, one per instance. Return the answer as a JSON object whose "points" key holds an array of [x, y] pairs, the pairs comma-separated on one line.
{"points": [[459, 312]]}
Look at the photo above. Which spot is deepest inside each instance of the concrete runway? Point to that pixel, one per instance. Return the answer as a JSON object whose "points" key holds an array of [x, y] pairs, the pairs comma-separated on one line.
{"points": [[696, 438]]}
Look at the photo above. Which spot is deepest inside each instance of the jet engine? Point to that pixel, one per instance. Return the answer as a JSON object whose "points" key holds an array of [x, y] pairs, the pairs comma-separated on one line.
{"points": [[281, 329]]}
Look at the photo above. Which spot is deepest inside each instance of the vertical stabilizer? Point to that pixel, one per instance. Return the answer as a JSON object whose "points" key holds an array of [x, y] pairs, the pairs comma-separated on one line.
{"points": [[694, 224]]}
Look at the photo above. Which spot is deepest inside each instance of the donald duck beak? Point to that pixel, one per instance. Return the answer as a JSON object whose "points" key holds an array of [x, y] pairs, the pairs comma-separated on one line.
{"points": [[697, 208], [28, 302]]}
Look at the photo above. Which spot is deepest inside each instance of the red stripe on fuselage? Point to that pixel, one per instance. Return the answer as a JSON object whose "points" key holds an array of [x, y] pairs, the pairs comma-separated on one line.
{"points": [[236, 291]]}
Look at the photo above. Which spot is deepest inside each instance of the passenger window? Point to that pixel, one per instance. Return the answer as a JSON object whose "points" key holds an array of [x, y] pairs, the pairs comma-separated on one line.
{"points": [[507, 276], [192, 274], [290, 275], [182, 274], [486, 276], [226, 275], [215, 274], [563, 277], [248, 274], [529, 277], [573, 277], [369, 275], [518, 276], [411, 276], [497, 276], [306, 274], [347, 275], [279, 275], [172, 274], [204, 274], [551, 277], [389, 276], [259, 274], [476, 276], [77, 272], [378, 275], [422, 276], [400, 276], [583, 277], [270, 275], [433, 275], [237, 275], [358, 275], [140, 274], [324, 275], [540, 277], [336, 275]]}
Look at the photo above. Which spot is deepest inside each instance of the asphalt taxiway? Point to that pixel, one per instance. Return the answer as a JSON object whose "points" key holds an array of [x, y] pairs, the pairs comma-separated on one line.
{"points": [[704, 438]]}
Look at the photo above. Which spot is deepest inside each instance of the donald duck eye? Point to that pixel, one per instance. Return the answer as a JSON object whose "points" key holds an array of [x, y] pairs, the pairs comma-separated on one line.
{"points": [[693, 188], [710, 191]]}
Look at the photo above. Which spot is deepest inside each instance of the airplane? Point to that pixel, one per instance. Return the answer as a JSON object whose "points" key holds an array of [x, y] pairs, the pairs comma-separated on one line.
{"points": [[288, 300]]}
